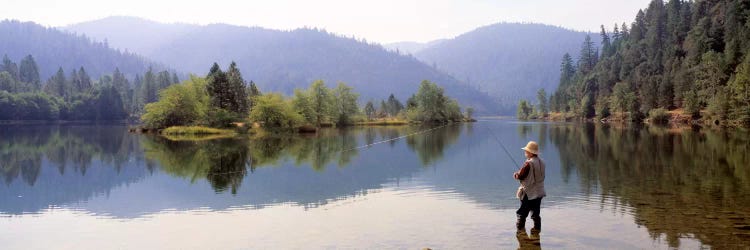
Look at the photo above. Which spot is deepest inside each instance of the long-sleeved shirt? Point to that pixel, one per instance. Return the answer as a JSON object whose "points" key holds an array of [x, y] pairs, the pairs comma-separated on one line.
{"points": [[524, 171]]}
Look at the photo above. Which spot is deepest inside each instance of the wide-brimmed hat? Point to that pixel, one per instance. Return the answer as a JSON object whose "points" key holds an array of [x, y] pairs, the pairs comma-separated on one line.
{"points": [[532, 147]]}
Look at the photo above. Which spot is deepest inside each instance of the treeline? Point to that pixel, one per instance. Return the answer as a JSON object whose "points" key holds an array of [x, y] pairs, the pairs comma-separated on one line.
{"points": [[75, 95], [527, 110], [222, 98], [690, 56], [53, 47]]}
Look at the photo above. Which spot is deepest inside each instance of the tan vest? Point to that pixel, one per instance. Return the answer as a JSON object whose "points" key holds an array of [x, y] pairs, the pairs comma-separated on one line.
{"points": [[533, 185]]}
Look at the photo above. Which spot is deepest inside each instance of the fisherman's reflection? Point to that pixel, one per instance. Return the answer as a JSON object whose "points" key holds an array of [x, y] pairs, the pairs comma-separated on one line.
{"points": [[526, 241]]}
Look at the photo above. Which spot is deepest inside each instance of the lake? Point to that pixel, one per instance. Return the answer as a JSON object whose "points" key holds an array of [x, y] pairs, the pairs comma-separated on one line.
{"points": [[450, 187]]}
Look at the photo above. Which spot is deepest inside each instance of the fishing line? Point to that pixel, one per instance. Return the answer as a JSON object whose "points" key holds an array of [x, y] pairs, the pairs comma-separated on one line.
{"points": [[504, 149], [355, 148], [393, 139]]}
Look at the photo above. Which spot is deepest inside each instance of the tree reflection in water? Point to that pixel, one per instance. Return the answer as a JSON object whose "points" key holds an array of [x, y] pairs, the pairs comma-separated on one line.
{"points": [[225, 162], [221, 161], [22, 149], [430, 146], [676, 182]]}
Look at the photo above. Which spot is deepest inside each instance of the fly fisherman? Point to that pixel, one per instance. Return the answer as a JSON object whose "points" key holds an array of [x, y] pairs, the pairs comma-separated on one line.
{"points": [[531, 191]]}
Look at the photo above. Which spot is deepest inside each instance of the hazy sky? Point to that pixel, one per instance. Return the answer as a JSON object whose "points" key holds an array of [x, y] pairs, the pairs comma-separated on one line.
{"points": [[379, 21]]}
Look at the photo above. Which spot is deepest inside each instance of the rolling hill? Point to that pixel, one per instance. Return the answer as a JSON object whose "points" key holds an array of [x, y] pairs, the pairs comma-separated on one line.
{"points": [[53, 48], [507, 60], [281, 61]]}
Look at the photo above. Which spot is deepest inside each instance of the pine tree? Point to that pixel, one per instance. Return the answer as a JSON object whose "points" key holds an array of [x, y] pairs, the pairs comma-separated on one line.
{"points": [[638, 30], [74, 84], [217, 89], [237, 91], [6, 82], [675, 32], [137, 97], [587, 58], [10, 67], [29, 72], [163, 80], [56, 85], [85, 81], [567, 70], [607, 49], [120, 83], [656, 33], [616, 34], [393, 105], [149, 89], [252, 93], [541, 97], [370, 110], [383, 110], [109, 105]]}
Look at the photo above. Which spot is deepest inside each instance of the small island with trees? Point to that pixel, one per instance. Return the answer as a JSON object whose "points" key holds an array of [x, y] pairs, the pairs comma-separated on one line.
{"points": [[224, 103]]}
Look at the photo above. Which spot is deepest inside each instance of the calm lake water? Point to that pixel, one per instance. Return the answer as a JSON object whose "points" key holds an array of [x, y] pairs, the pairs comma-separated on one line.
{"points": [[99, 187]]}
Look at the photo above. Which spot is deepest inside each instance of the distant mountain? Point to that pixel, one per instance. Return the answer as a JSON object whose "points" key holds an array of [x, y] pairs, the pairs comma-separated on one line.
{"points": [[142, 36], [52, 48], [411, 47], [284, 60], [506, 60]]}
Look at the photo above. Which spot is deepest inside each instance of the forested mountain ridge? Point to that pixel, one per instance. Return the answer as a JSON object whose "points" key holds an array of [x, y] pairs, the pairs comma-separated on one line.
{"points": [[507, 60], [48, 74], [147, 37], [52, 48], [284, 60], [687, 55]]}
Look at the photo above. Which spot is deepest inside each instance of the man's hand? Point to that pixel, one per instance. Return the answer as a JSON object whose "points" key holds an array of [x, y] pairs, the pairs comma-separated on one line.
{"points": [[515, 175]]}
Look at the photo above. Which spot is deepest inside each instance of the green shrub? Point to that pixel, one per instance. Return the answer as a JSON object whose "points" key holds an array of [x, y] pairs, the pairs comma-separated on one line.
{"points": [[659, 116], [274, 112], [222, 118], [180, 104]]}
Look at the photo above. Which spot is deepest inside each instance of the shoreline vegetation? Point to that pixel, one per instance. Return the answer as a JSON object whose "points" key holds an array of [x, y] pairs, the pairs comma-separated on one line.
{"points": [[75, 96], [223, 104], [673, 118], [678, 62]]}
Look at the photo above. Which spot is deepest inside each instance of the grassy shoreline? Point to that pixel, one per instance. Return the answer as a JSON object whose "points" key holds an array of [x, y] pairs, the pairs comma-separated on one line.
{"points": [[394, 122], [196, 130], [197, 133], [671, 118]]}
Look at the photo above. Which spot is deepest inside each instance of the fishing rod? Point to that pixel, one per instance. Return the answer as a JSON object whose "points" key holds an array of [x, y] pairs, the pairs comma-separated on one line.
{"points": [[504, 149]]}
